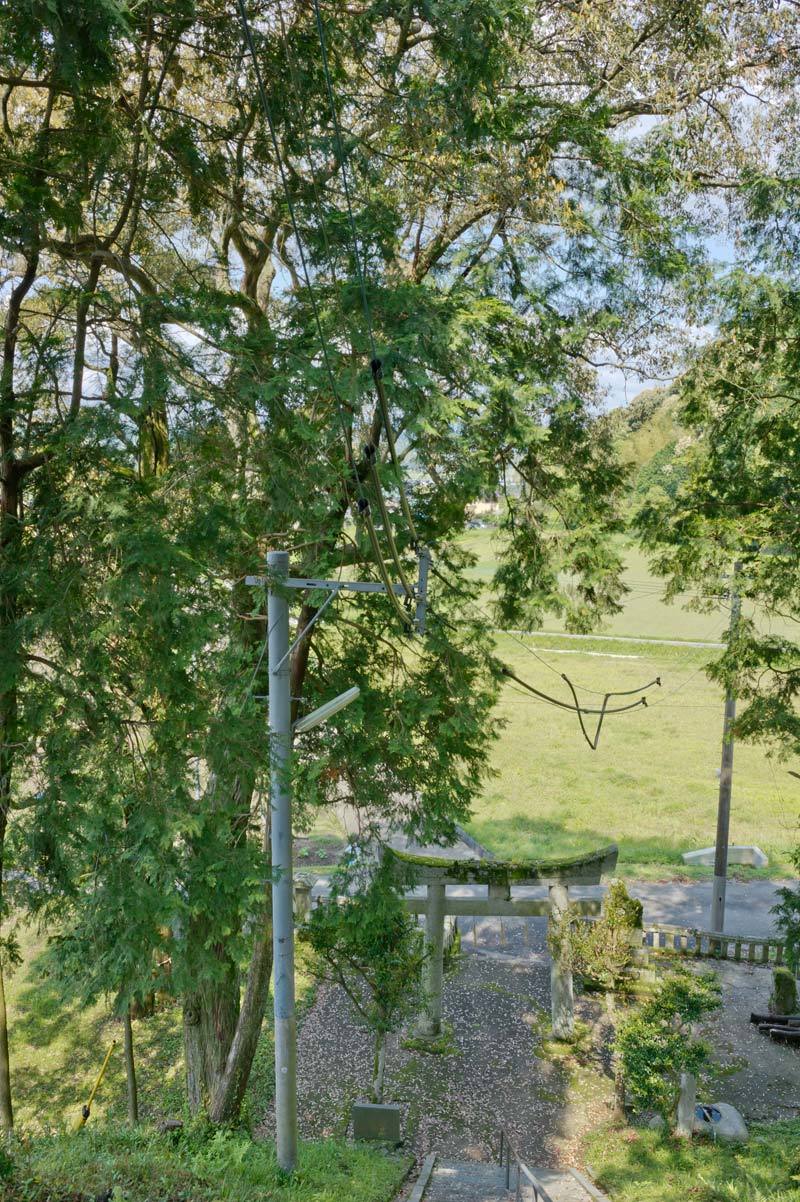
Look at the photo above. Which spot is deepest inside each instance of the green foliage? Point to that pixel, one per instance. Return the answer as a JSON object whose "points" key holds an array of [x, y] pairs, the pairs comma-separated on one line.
{"points": [[166, 417], [199, 1164], [366, 942], [784, 991], [620, 910], [655, 1043], [787, 917], [734, 502], [645, 1166], [601, 951]]}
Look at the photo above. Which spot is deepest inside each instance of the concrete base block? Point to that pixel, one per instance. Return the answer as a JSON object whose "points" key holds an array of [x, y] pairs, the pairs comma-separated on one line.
{"points": [[377, 1121], [752, 856]]}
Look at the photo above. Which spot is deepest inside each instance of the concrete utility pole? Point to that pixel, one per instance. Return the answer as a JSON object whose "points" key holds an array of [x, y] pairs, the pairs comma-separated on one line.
{"points": [[278, 582], [725, 786], [280, 732]]}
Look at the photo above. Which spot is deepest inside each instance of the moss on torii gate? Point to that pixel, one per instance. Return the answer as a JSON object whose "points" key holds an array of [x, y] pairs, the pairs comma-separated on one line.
{"points": [[437, 872]]}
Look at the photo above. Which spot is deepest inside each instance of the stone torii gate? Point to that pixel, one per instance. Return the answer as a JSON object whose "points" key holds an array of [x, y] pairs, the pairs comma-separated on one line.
{"points": [[436, 873]]}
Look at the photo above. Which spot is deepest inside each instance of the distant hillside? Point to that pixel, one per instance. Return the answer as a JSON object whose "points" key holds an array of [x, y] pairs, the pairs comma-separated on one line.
{"points": [[651, 438]]}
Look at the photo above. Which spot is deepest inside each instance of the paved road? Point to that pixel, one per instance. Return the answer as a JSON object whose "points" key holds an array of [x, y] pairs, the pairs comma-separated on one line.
{"points": [[682, 903]]}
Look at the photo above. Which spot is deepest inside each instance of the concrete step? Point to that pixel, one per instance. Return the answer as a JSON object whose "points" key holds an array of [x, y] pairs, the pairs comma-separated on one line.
{"points": [[561, 1185], [466, 1181], [470, 1181]]}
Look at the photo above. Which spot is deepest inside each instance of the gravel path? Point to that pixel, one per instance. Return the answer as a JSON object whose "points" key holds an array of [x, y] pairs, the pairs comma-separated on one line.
{"points": [[759, 1077], [454, 1103]]}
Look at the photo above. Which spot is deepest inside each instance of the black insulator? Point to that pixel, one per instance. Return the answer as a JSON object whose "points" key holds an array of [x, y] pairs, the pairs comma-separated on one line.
{"points": [[377, 369], [363, 505], [369, 452]]}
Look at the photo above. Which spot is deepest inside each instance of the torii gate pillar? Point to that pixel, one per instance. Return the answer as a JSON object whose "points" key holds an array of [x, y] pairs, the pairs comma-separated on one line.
{"points": [[430, 1024], [562, 998]]}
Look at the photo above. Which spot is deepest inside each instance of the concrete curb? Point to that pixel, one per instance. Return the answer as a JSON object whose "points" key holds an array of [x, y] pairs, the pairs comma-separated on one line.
{"points": [[591, 1189], [421, 1183], [473, 844]]}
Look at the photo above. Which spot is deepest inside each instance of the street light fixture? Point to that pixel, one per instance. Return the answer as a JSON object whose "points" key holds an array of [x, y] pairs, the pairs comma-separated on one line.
{"points": [[325, 711]]}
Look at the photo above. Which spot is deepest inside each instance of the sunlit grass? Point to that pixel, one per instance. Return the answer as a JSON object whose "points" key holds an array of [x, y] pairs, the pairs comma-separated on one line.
{"points": [[642, 1166], [58, 1046], [651, 785]]}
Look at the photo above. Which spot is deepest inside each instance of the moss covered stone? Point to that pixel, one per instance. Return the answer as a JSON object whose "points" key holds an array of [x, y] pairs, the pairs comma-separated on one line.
{"points": [[583, 869], [784, 992]]}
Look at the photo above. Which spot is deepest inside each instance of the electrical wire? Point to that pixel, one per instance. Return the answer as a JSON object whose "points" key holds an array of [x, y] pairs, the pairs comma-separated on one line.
{"points": [[363, 506], [375, 362]]}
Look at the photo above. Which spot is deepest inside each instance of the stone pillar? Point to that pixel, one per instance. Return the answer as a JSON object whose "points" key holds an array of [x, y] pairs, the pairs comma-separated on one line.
{"points": [[433, 969], [686, 1105], [562, 1002], [302, 900]]}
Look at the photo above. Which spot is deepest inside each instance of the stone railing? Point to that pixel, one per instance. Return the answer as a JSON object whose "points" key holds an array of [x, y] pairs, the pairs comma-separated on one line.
{"points": [[660, 937]]}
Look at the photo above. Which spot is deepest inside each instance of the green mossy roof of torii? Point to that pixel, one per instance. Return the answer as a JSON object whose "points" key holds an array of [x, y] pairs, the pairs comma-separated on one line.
{"points": [[586, 869]]}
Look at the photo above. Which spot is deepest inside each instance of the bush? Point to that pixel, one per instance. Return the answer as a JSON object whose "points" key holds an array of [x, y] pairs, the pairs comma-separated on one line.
{"points": [[601, 951], [655, 1043]]}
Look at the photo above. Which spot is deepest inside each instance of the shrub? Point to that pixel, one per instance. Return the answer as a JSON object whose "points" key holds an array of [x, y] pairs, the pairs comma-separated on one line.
{"points": [[600, 951], [368, 944], [655, 1043]]}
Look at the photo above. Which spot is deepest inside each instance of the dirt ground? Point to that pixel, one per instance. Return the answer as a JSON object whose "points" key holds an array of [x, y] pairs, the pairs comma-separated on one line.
{"points": [[759, 1077]]}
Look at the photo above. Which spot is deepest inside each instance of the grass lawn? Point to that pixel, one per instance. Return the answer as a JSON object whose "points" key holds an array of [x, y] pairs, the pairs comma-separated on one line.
{"points": [[644, 615], [197, 1166], [57, 1047], [651, 786], [642, 1166]]}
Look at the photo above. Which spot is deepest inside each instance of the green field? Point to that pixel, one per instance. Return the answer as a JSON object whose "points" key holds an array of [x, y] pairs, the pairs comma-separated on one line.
{"points": [[651, 786], [645, 615]]}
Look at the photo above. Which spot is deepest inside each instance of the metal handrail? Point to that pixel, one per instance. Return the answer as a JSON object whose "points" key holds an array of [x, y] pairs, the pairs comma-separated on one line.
{"points": [[509, 1152]]}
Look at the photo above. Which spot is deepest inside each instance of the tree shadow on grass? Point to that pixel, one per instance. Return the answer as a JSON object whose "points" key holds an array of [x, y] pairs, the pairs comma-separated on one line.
{"points": [[58, 1044], [534, 837]]}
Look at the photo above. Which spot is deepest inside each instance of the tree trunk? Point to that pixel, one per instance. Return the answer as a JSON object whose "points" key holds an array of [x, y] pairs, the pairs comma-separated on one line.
{"points": [[379, 1066], [130, 1070], [228, 1094], [210, 1015], [6, 1109]]}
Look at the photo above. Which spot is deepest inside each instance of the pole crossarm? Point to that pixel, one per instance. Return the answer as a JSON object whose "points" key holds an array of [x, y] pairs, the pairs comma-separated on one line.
{"points": [[333, 586]]}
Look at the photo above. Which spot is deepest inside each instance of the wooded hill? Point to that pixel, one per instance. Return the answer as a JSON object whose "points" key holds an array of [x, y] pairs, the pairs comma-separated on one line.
{"points": [[650, 437]]}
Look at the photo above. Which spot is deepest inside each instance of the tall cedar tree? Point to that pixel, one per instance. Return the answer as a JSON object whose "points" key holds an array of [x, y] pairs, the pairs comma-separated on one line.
{"points": [[166, 416]]}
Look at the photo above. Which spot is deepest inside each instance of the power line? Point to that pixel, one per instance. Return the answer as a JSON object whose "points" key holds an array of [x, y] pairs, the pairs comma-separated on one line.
{"points": [[375, 362], [363, 504]]}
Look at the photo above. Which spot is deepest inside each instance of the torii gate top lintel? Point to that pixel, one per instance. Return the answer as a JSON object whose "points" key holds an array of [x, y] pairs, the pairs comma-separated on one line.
{"points": [[586, 869]]}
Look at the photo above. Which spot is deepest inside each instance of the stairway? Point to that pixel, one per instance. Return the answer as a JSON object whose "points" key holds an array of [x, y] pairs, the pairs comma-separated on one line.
{"points": [[470, 1181]]}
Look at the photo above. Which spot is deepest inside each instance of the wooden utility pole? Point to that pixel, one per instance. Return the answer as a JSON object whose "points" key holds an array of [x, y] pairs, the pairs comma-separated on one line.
{"points": [[725, 784]]}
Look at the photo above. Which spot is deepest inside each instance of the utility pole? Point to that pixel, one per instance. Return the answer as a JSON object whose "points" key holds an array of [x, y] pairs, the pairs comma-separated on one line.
{"points": [[279, 653], [280, 735], [725, 785]]}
